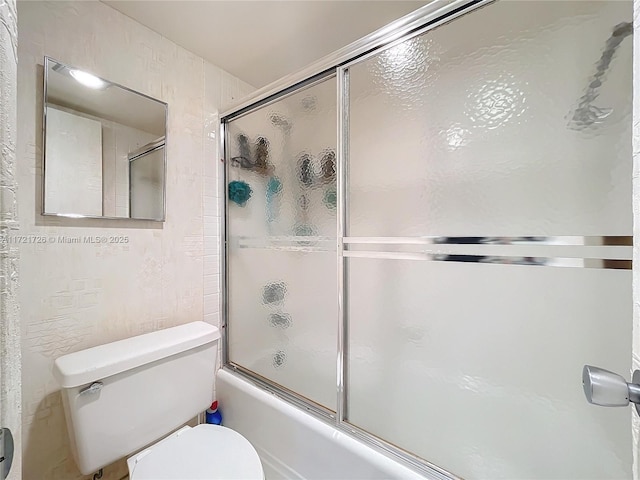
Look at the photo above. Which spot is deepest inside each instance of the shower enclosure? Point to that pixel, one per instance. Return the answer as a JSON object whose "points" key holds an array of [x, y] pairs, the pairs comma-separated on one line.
{"points": [[429, 233]]}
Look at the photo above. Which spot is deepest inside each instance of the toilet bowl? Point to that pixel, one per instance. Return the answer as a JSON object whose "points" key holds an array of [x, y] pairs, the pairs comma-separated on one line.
{"points": [[121, 397], [208, 452]]}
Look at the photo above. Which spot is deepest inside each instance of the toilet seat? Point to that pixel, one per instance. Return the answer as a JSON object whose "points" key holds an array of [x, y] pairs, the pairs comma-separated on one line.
{"points": [[204, 452]]}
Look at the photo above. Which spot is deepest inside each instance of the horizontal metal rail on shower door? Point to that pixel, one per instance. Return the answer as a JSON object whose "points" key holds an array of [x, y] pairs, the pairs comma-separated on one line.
{"points": [[613, 252]]}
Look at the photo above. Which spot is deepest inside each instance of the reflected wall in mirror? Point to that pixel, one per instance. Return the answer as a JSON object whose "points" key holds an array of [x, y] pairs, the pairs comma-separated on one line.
{"points": [[104, 148]]}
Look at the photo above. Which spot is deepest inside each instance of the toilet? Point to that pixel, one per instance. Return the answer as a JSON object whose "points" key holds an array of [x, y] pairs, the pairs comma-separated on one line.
{"points": [[132, 398]]}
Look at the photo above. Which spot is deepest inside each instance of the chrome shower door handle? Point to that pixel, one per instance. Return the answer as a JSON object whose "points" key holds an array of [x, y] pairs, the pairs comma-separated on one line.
{"points": [[608, 389]]}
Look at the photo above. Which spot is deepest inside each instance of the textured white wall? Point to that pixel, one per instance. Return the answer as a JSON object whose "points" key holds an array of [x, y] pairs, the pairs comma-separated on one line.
{"points": [[10, 365], [80, 295]]}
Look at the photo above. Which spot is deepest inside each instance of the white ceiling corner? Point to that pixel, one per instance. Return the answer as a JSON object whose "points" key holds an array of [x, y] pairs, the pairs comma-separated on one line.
{"points": [[262, 41]]}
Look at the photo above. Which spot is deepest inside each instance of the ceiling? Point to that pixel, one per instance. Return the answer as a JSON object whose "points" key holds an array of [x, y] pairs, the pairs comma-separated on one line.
{"points": [[262, 41]]}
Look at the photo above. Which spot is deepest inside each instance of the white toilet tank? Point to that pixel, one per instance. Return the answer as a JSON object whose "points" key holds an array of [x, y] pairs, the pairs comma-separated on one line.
{"points": [[122, 396]]}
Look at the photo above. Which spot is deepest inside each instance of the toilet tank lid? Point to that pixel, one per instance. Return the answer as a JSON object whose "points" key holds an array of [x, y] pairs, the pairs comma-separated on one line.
{"points": [[96, 363]]}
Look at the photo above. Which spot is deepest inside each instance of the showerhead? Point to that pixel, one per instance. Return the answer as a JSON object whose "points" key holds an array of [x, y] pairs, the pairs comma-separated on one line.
{"points": [[586, 114], [622, 29]]}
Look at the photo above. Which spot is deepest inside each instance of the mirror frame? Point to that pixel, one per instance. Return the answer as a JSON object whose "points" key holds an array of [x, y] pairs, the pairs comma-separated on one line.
{"points": [[47, 61]]}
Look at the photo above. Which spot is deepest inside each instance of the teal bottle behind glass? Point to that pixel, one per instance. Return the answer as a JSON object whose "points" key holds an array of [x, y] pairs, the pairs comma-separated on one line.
{"points": [[213, 416]]}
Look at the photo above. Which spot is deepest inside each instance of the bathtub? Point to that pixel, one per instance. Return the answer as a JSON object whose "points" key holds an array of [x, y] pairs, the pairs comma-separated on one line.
{"points": [[295, 445]]}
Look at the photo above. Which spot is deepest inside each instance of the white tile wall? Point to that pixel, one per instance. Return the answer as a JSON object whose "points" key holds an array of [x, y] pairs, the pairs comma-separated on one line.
{"points": [[10, 359], [220, 92], [76, 296]]}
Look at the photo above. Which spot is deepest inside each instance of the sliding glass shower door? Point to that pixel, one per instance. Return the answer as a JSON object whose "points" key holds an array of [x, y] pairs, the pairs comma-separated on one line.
{"points": [[488, 240], [445, 220], [281, 242]]}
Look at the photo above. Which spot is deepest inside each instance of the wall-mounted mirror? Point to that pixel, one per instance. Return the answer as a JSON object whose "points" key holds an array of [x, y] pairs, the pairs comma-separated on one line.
{"points": [[104, 148]]}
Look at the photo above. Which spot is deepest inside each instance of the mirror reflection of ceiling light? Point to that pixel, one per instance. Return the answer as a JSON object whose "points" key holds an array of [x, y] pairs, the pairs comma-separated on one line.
{"points": [[88, 80]]}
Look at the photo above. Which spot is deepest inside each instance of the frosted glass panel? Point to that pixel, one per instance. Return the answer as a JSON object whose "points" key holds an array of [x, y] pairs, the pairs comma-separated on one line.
{"points": [[283, 319], [282, 290], [488, 126], [477, 367], [485, 155]]}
